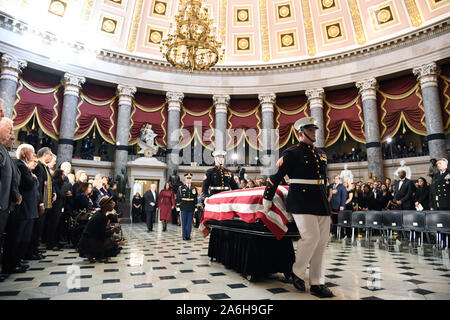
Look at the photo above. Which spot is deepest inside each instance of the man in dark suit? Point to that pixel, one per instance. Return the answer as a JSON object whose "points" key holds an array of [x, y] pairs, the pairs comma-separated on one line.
{"points": [[6, 173], [150, 205], [20, 222], [336, 198], [403, 195], [46, 195], [240, 172]]}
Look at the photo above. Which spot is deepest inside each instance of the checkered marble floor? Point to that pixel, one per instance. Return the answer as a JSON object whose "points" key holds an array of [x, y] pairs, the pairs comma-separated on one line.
{"points": [[160, 265]]}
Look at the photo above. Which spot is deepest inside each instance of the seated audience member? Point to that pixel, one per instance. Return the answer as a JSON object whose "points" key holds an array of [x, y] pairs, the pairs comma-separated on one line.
{"points": [[251, 184], [96, 241], [422, 196], [83, 201], [244, 184]]}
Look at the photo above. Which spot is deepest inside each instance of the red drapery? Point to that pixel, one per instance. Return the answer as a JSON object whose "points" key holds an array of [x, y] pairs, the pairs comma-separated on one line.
{"points": [[197, 117], [244, 122], [39, 94], [343, 113], [97, 107], [149, 108], [444, 92], [287, 111], [400, 101]]}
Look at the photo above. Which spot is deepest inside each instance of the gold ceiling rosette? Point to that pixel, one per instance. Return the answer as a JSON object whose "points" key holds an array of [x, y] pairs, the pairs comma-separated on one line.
{"points": [[192, 44]]}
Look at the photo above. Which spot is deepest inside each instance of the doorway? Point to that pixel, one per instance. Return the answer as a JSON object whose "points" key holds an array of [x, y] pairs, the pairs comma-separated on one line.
{"points": [[143, 185]]}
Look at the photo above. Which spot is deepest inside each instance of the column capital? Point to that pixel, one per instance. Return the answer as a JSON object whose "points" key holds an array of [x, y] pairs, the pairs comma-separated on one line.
{"points": [[125, 93], [11, 67], [221, 102], [267, 98], [368, 89], [267, 101], [174, 99], [427, 74], [316, 93], [72, 84], [315, 97]]}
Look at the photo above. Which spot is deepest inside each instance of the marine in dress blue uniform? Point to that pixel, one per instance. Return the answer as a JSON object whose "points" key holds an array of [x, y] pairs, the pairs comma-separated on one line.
{"points": [[218, 178], [307, 200], [187, 202]]}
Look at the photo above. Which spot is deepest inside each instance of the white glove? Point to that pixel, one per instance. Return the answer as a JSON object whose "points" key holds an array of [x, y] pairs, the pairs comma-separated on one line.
{"points": [[267, 204], [178, 209]]}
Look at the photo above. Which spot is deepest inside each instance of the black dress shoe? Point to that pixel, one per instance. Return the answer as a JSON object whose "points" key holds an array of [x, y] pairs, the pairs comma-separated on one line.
{"points": [[34, 257], [299, 284], [321, 291]]}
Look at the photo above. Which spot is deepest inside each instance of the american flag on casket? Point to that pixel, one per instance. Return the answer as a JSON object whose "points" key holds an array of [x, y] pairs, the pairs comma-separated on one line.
{"points": [[247, 205]]}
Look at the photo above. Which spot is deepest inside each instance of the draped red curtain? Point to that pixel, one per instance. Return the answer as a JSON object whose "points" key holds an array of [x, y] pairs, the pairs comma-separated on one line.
{"points": [[97, 107], [444, 93], [287, 111], [343, 115], [244, 122], [197, 117], [149, 109], [400, 102], [39, 94]]}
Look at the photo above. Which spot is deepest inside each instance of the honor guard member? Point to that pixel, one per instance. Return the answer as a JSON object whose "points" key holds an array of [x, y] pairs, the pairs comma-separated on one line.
{"points": [[442, 185], [218, 178], [305, 166], [187, 202]]}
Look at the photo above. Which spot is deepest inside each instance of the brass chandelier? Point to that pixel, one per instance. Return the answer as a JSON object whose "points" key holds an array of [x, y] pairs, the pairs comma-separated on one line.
{"points": [[192, 44]]}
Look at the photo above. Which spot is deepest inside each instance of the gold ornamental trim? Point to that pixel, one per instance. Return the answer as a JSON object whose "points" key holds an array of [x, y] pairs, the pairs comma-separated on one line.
{"points": [[357, 22], [222, 25], [137, 11], [264, 28], [413, 12], [307, 21]]}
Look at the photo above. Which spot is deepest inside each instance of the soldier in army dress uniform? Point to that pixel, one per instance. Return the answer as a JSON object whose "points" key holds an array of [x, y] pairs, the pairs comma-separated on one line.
{"points": [[187, 203], [442, 186], [307, 201], [218, 178]]}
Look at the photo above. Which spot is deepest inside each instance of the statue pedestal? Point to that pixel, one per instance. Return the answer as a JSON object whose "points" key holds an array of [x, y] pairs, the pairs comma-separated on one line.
{"points": [[124, 209]]}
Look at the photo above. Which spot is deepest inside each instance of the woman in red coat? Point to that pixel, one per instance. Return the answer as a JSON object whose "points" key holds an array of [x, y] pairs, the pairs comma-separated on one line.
{"points": [[166, 202]]}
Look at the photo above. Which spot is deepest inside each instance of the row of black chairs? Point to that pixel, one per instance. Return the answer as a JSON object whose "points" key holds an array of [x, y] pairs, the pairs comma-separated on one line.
{"points": [[437, 222]]}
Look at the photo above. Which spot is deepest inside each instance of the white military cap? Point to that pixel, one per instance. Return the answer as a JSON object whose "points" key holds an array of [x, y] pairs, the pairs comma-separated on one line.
{"points": [[219, 153], [305, 122]]}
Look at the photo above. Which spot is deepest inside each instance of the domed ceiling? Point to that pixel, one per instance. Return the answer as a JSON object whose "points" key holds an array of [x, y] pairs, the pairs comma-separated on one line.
{"points": [[253, 31]]}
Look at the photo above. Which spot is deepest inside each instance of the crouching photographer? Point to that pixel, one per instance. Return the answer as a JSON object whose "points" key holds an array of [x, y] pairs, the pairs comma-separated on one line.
{"points": [[114, 233], [97, 241]]}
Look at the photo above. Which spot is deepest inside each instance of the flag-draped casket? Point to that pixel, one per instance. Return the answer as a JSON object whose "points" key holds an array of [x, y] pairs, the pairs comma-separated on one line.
{"points": [[246, 204]]}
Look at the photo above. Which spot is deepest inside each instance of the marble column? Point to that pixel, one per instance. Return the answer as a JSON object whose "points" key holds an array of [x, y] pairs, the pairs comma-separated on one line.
{"points": [[221, 102], [10, 69], [428, 77], [269, 149], [125, 94], [174, 100], [72, 84], [315, 99], [368, 90]]}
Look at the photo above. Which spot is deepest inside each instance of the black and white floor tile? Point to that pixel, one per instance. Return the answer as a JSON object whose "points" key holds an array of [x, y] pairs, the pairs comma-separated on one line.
{"points": [[160, 265]]}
